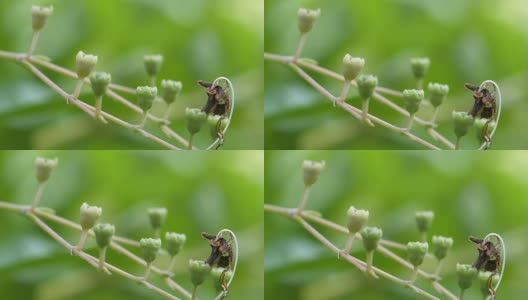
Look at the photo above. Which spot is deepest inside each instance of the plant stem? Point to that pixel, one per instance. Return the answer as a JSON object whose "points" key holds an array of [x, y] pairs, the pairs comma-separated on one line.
{"points": [[167, 113], [171, 264], [349, 242], [461, 294], [28, 62], [77, 90], [344, 91], [194, 292], [147, 271], [152, 80], [33, 44], [190, 144], [370, 258], [359, 263], [300, 46], [342, 229], [288, 60], [143, 121], [437, 136], [414, 274], [38, 194], [435, 115], [357, 112], [93, 261], [438, 267], [457, 144], [364, 114], [114, 245], [424, 236], [98, 106], [85, 107], [82, 240], [102, 257], [410, 124], [304, 199]]}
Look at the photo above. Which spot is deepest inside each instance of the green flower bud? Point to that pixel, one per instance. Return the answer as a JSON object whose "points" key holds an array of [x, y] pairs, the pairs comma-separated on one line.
{"points": [[150, 249], [175, 242], [462, 121], [100, 82], [465, 275], [89, 215], [356, 219], [480, 132], [371, 237], [84, 64], [419, 66], [212, 122], [483, 278], [198, 270], [412, 100], [437, 93], [306, 18], [103, 234], [39, 15], [424, 220], [366, 85], [194, 119], [441, 245], [416, 252], [311, 170], [157, 216], [352, 66], [216, 274], [44, 168], [152, 63], [170, 89], [146, 96]]}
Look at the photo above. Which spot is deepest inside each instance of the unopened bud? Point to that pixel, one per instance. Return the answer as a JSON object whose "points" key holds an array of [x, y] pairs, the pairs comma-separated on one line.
{"points": [[39, 16], [306, 18], [84, 64]]}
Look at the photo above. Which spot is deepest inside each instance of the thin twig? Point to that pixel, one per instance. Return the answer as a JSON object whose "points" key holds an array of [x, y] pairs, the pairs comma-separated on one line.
{"points": [[356, 112], [377, 96], [95, 261], [90, 110], [24, 209], [61, 70], [361, 265], [342, 229]]}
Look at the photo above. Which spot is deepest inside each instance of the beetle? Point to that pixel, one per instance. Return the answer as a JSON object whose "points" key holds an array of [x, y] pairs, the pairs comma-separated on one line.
{"points": [[221, 255], [217, 99], [489, 258], [218, 103], [485, 104]]}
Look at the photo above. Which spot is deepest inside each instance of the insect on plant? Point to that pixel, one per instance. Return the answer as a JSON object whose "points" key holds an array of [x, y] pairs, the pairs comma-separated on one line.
{"points": [[485, 107], [218, 104], [489, 259], [221, 256]]}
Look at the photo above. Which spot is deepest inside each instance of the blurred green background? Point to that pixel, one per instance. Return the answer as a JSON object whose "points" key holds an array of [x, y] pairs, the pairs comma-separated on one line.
{"points": [[199, 39], [471, 194], [202, 192], [467, 41]]}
